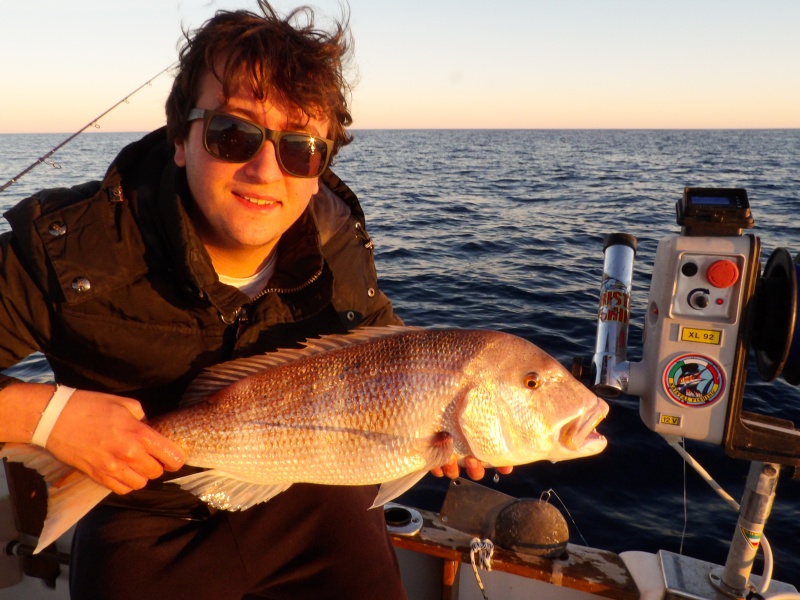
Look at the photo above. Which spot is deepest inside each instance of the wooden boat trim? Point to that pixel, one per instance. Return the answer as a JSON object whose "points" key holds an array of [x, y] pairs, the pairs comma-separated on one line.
{"points": [[584, 569]]}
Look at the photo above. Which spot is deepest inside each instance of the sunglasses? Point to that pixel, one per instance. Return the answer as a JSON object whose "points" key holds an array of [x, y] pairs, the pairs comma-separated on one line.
{"points": [[238, 140]]}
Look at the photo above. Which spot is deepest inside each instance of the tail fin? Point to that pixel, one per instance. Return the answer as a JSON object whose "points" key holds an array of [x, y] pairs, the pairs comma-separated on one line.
{"points": [[71, 494]]}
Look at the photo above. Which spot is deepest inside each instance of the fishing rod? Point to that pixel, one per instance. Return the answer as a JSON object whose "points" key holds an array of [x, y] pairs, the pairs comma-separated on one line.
{"points": [[92, 123]]}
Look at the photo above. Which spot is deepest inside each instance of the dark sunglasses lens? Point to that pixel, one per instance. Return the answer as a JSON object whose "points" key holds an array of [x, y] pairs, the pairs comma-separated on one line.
{"points": [[231, 139], [302, 155]]}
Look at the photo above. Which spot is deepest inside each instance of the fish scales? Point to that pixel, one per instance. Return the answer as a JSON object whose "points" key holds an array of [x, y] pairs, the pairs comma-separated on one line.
{"points": [[355, 415], [379, 405]]}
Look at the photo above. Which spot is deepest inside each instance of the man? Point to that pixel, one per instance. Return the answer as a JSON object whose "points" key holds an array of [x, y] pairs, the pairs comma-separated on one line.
{"points": [[220, 236]]}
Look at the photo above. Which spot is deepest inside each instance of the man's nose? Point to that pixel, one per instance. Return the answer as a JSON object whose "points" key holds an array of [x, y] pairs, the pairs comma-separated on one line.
{"points": [[264, 165]]}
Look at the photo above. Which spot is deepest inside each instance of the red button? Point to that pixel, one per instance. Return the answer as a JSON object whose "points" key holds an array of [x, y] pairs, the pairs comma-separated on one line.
{"points": [[722, 274]]}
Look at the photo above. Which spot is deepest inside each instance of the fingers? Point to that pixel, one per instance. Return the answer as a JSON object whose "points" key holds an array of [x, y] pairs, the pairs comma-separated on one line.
{"points": [[169, 455], [141, 459], [476, 470], [121, 468], [103, 436], [133, 407], [121, 479], [474, 467], [450, 469]]}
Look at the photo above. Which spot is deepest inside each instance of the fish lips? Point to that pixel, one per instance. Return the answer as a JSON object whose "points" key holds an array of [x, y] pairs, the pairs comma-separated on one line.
{"points": [[579, 437]]}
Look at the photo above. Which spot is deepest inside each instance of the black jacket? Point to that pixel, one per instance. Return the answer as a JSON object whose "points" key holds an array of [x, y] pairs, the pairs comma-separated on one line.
{"points": [[110, 281]]}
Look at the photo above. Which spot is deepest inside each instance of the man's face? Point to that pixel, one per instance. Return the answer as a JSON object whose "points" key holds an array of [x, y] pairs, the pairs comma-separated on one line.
{"points": [[244, 208]]}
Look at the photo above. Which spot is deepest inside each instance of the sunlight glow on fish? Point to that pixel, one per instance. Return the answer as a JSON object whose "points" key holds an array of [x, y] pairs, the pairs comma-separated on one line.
{"points": [[377, 406]]}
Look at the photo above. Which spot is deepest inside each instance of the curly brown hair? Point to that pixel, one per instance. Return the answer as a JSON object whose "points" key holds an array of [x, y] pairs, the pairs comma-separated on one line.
{"points": [[284, 56]]}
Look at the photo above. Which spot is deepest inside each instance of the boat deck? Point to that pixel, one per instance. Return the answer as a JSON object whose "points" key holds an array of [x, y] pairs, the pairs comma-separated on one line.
{"points": [[581, 569]]}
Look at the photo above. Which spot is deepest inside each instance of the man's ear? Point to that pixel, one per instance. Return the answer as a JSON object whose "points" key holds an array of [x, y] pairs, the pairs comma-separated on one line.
{"points": [[180, 151]]}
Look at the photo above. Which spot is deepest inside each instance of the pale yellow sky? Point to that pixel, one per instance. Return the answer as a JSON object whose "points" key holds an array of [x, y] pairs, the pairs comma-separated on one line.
{"points": [[441, 64]]}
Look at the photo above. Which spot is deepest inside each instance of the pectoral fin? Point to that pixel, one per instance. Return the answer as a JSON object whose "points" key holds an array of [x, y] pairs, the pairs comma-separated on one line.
{"points": [[227, 491], [437, 452], [392, 489]]}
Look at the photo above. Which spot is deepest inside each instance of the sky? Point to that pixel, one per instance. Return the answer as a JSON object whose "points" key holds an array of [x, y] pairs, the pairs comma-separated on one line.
{"points": [[533, 64]]}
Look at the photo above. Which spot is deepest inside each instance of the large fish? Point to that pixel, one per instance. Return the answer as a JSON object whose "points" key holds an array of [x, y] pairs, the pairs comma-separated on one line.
{"points": [[381, 405]]}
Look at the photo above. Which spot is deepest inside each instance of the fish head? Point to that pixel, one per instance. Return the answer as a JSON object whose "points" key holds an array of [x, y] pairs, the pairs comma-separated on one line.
{"points": [[524, 406]]}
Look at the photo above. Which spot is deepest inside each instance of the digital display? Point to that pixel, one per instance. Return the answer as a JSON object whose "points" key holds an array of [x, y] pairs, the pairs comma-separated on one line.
{"points": [[712, 200], [714, 211]]}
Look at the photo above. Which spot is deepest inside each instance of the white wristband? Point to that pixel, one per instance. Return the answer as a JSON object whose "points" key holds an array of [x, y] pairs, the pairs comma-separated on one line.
{"points": [[50, 415]]}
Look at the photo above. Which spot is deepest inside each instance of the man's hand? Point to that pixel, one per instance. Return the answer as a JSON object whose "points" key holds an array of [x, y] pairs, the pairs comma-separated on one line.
{"points": [[474, 467], [103, 436]]}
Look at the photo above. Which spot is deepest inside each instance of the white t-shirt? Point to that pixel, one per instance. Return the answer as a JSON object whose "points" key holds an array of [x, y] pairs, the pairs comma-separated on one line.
{"points": [[253, 285]]}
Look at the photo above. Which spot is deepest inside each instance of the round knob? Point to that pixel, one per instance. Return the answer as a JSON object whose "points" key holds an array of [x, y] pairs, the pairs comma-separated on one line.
{"points": [[722, 273], [700, 301]]}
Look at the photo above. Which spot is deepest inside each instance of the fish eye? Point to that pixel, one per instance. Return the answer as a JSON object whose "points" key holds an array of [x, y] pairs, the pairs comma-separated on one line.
{"points": [[532, 381]]}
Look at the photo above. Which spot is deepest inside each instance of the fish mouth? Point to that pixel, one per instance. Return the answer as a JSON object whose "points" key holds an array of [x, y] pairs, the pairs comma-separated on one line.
{"points": [[580, 435]]}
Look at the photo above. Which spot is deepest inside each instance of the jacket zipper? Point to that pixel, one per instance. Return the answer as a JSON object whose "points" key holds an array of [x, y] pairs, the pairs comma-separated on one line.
{"points": [[293, 290], [241, 321], [241, 317]]}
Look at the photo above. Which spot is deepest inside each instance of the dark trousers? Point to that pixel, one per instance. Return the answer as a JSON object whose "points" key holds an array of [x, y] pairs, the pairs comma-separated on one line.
{"points": [[308, 542]]}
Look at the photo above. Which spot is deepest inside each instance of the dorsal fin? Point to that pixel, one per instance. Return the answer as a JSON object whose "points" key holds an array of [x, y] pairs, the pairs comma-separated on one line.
{"points": [[220, 376]]}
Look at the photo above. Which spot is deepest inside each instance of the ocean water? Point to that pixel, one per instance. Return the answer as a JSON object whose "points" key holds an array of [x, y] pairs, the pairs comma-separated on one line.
{"points": [[504, 230]]}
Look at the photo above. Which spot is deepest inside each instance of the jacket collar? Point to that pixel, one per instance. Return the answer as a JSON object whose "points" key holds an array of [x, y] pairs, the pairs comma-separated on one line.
{"points": [[159, 196]]}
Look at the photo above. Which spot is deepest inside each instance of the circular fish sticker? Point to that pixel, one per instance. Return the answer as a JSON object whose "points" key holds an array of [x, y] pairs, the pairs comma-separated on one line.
{"points": [[694, 380]]}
